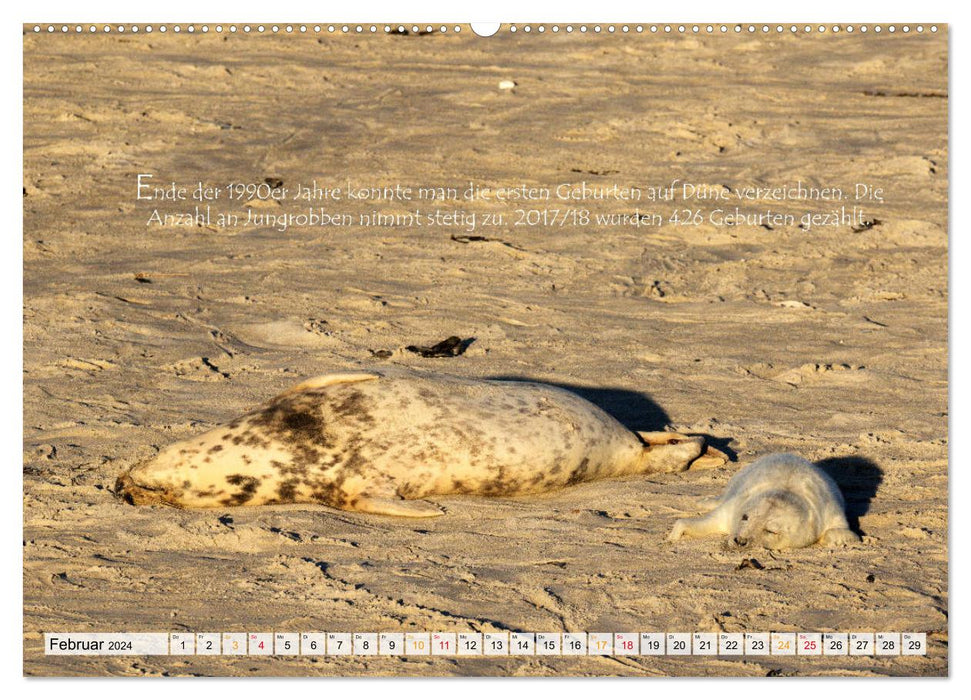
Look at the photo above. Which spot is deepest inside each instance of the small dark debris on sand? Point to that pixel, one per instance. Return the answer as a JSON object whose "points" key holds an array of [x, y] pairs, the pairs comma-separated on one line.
{"points": [[453, 346], [594, 172], [884, 93], [866, 225], [483, 239], [401, 31], [750, 564]]}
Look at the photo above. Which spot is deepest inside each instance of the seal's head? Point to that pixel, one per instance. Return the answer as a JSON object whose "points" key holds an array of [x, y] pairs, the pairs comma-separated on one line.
{"points": [[148, 484], [775, 520]]}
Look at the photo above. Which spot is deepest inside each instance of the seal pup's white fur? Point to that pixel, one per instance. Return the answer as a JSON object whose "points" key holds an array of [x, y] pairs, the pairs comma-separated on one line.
{"points": [[780, 501], [382, 441]]}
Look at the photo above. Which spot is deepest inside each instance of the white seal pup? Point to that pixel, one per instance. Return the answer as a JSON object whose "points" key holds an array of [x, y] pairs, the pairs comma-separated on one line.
{"points": [[780, 501], [380, 441]]}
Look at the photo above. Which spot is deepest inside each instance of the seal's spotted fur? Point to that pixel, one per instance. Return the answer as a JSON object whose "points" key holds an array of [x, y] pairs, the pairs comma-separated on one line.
{"points": [[378, 442]]}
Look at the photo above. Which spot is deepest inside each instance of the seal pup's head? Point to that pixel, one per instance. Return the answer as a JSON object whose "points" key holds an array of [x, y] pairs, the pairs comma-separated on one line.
{"points": [[774, 520]]}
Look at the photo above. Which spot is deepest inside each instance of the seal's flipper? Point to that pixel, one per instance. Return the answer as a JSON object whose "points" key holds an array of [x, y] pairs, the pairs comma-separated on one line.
{"points": [[711, 458], [396, 506], [325, 380], [711, 524], [669, 452], [837, 536]]}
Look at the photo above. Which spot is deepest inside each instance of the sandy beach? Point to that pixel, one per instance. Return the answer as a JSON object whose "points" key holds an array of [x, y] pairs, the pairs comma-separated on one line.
{"points": [[829, 341]]}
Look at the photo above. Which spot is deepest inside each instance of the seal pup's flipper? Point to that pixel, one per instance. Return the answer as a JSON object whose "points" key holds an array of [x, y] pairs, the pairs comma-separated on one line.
{"points": [[711, 524], [837, 536], [396, 506], [325, 380], [669, 452]]}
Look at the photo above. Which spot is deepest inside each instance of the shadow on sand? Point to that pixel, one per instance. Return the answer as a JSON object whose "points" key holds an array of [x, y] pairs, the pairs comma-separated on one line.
{"points": [[858, 479], [634, 409]]}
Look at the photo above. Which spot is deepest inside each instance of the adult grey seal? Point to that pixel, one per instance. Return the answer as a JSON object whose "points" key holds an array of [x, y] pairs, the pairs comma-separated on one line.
{"points": [[780, 501], [380, 441]]}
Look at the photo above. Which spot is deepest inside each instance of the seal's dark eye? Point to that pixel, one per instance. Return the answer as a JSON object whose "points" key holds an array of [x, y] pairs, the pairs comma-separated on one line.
{"points": [[745, 516]]}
